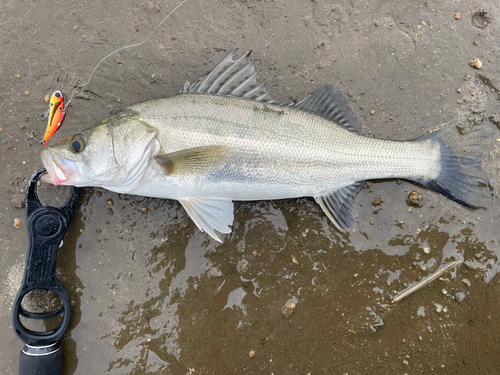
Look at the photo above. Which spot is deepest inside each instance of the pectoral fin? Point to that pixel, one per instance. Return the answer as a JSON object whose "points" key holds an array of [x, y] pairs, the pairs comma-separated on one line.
{"points": [[210, 214], [339, 206], [194, 160]]}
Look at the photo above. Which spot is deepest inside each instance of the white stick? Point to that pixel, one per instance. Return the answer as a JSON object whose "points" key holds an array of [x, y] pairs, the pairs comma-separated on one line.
{"points": [[427, 280]]}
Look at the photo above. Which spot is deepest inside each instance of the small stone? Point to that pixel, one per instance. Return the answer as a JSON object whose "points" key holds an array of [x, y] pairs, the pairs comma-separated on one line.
{"points": [[26, 93], [372, 112], [17, 76], [255, 253], [460, 296], [427, 250], [439, 307], [289, 307], [144, 209], [294, 260], [475, 43], [119, 100], [459, 91], [251, 353], [457, 16], [17, 199], [377, 202], [214, 273], [119, 61], [476, 63], [46, 98], [110, 202], [242, 266], [415, 199], [17, 222]]}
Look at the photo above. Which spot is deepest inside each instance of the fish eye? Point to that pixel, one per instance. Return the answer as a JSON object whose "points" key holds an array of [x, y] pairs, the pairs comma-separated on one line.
{"points": [[77, 143], [57, 94]]}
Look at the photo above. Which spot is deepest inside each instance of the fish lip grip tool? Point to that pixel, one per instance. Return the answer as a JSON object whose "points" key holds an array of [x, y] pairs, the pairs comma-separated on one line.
{"points": [[46, 227]]}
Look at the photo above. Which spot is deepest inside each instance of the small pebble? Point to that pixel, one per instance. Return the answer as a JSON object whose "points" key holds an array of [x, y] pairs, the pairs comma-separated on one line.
{"points": [[17, 222], [255, 253], [372, 112], [457, 16], [415, 199], [294, 260], [251, 353], [459, 91], [427, 250], [110, 202], [17, 199], [289, 307], [377, 202], [17, 76], [46, 98], [460, 296], [476, 63], [439, 307], [214, 273], [26, 93], [144, 209]]}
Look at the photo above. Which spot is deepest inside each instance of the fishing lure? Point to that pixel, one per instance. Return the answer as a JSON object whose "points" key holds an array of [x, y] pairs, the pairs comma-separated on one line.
{"points": [[55, 115]]}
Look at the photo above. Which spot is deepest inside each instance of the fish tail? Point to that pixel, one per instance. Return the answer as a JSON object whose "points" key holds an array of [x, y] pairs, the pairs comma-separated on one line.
{"points": [[460, 175]]}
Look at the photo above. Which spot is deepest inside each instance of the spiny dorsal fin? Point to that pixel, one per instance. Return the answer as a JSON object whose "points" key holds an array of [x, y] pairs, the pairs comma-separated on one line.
{"points": [[234, 77], [194, 160], [339, 206], [331, 104]]}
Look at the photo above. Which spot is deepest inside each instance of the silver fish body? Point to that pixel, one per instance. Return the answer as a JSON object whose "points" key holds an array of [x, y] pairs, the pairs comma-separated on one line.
{"points": [[223, 139], [275, 151]]}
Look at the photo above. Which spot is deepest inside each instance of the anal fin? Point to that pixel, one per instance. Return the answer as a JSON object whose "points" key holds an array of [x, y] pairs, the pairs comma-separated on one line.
{"points": [[210, 214], [339, 206]]}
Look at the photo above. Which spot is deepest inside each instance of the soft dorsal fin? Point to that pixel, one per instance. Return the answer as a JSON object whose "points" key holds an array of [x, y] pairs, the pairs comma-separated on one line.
{"points": [[339, 206], [210, 214], [331, 104], [234, 77]]}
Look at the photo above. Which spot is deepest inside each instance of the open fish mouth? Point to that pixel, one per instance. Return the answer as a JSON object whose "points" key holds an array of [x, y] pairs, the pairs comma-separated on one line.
{"points": [[59, 172]]}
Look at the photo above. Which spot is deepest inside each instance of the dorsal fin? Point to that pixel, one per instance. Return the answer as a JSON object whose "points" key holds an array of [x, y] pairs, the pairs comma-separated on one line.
{"points": [[331, 104], [234, 77]]}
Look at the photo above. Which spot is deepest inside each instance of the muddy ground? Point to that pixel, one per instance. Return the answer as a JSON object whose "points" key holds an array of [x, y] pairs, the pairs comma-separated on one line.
{"points": [[151, 294]]}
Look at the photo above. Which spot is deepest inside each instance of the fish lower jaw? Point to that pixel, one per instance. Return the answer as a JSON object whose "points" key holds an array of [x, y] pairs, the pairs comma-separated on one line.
{"points": [[55, 174]]}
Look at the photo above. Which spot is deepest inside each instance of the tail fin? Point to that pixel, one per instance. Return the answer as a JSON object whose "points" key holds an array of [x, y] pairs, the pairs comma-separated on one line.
{"points": [[461, 177]]}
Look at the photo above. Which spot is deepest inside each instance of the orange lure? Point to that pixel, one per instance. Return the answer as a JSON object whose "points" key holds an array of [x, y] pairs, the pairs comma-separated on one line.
{"points": [[55, 115]]}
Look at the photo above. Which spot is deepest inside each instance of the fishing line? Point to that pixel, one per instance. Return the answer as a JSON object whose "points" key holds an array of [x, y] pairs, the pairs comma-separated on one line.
{"points": [[122, 48]]}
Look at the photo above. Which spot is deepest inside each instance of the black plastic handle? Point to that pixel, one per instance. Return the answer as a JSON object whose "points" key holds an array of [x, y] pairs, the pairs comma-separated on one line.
{"points": [[40, 360], [46, 228]]}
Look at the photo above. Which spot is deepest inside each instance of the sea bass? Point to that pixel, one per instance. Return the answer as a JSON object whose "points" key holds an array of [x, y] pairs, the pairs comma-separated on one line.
{"points": [[224, 138]]}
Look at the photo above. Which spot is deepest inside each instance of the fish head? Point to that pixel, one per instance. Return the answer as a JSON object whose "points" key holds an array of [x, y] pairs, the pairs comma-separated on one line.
{"points": [[111, 154]]}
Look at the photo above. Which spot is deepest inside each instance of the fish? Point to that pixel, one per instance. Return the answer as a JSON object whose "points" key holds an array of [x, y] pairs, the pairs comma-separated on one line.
{"points": [[223, 139]]}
